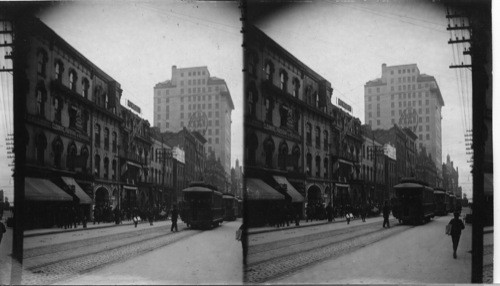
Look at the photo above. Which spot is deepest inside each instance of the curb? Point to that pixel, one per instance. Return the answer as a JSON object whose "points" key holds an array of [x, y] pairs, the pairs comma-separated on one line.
{"points": [[300, 226], [75, 229]]}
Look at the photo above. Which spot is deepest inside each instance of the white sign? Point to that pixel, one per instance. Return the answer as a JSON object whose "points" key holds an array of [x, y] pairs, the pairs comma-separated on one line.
{"points": [[178, 154], [390, 151]]}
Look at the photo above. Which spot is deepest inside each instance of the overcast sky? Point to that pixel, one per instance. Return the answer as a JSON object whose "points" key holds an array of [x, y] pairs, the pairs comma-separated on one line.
{"points": [[137, 42], [347, 43]]}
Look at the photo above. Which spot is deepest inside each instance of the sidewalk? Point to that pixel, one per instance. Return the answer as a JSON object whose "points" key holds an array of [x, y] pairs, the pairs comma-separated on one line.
{"points": [[46, 237], [303, 223], [90, 226]]}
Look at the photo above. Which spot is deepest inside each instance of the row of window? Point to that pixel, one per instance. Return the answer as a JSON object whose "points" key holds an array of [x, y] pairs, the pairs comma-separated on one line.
{"points": [[200, 81], [97, 138], [403, 71], [193, 73], [402, 87], [198, 90], [405, 95], [317, 136], [59, 70]]}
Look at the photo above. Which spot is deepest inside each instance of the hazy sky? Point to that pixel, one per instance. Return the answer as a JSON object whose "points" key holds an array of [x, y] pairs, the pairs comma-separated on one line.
{"points": [[137, 42], [347, 43]]}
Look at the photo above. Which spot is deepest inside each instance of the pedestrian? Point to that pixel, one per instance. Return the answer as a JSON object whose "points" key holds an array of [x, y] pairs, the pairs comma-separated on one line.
{"points": [[386, 211], [150, 216], [329, 212], [241, 236], [2, 230], [84, 221], [456, 230], [175, 214], [363, 212]]}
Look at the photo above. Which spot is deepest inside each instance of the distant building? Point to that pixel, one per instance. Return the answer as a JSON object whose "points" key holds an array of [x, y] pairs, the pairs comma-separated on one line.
{"points": [[405, 97], [192, 145], [450, 177], [237, 180], [195, 100]]}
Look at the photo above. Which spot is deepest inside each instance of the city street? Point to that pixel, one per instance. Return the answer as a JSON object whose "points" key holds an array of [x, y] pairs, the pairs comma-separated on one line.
{"points": [[85, 257], [401, 254]]}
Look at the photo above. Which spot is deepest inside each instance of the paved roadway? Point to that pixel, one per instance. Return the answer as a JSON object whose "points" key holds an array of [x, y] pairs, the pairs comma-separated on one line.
{"points": [[275, 254], [55, 258], [401, 254]]}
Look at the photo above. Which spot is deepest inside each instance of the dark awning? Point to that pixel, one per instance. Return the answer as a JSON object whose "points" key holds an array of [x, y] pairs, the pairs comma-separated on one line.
{"points": [[36, 189], [296, 196], [79, 192], [258, 190]]}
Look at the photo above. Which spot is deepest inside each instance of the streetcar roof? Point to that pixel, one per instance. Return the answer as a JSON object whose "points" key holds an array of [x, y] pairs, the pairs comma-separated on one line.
{"points": [[439, 192], [408, 186], [227, 196], [200, 190]]}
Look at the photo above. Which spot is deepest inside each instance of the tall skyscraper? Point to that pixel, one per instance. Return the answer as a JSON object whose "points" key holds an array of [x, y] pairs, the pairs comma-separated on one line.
{"points": [[200, 102], [405, 97]]}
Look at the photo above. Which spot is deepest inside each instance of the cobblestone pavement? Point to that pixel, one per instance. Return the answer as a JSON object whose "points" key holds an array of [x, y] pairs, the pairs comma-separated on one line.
{"points": [[273, 268], [272, 250], [95, 253], [48, 254]]}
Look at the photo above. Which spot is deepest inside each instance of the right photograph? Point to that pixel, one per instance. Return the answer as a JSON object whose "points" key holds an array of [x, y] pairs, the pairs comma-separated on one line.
{"points": [[368, 153]]}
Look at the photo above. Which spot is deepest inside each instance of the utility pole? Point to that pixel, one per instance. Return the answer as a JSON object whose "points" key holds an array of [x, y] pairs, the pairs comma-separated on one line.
{"points": [[479, 17]]}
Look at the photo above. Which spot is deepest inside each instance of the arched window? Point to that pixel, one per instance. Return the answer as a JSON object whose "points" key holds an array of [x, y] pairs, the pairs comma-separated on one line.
{"points": [[318, 137], [42, 62], [325, 166], [85, 87], [309, 164], [283, 155], [59, 69], [106, 167], [106, 138], [308, 134], [269, 69], [72, 80], [296, 157], [318, 166], [251, 144], [57, 149], [40, 145], [252, 97], [71, 157], [84, 155], [296, 87], [41, 97], [269, 150], [283, 80], [269, 109], [325, 140], [97, 166], [252, 63], [58, 106], [97, 136]]}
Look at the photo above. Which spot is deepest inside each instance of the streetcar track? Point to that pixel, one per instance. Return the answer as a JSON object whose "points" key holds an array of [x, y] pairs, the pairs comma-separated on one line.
{"points": [[264, 247], [70, 245], [359, 234], [101, 247], [334, 255], [58, 276], [277, 267]]}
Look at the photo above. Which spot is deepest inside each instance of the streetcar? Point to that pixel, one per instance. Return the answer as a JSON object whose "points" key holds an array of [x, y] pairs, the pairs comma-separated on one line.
{"points": [[239, 212], [230, 206], [441, 201], [202, 206], [415, 201], [450, 207]]}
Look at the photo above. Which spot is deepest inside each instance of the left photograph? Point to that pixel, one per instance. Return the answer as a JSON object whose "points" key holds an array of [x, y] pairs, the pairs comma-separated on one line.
{"points": [[131, 147]]}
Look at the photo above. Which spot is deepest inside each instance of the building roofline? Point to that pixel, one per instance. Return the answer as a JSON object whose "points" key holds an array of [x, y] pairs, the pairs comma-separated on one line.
{"points": [[275, 45], [40, 26]]}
